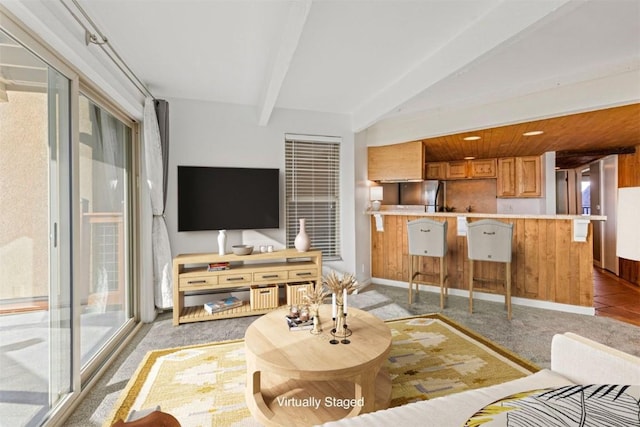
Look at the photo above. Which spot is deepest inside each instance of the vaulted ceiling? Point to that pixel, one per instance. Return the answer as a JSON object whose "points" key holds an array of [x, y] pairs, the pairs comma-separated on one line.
{"points": [[375, 60]]}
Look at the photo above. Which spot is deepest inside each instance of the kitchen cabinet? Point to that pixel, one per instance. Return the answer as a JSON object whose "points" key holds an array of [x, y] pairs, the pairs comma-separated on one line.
{"points": [[506, 183], [483, 168], [397, 162], [519, 177], [478, 169], [435, 170], [456, 170]]}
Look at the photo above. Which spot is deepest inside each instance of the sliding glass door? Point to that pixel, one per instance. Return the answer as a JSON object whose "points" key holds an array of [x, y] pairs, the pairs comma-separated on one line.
{"points": [[35, 287], [105, 184], [66, 231], [60, 303]]}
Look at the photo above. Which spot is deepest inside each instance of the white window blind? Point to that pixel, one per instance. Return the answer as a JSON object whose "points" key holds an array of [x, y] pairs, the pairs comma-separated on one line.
{"points": [[312, 191]]}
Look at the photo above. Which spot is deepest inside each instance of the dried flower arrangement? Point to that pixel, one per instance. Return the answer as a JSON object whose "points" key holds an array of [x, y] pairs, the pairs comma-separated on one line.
{"points": [[338, 285], [316, 296], [330, 284]]}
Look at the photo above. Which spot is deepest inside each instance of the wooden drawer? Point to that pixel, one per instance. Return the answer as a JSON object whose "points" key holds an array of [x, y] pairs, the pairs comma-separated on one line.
{"points": [[304, 274], [270, 276], [234, 279], [196, 282]]}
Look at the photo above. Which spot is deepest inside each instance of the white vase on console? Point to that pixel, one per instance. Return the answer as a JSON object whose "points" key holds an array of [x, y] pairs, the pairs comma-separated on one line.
{"points": [[301, 242], [222, 242]]}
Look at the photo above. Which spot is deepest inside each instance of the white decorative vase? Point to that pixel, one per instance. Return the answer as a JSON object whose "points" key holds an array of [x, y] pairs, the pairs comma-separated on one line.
{"points": [[302, 242], [222, 242]]}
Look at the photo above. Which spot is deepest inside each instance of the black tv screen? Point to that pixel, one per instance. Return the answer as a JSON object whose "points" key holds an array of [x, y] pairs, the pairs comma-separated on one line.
{"points": [[223, 198]]}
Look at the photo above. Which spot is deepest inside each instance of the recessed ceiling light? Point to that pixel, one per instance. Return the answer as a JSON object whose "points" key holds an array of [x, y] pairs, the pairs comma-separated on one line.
{"points": [[471, 138], [533, 132], [469, 158]]}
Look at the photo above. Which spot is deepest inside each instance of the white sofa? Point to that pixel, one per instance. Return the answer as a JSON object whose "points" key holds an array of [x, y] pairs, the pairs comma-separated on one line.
{"points": [[574, 360]]}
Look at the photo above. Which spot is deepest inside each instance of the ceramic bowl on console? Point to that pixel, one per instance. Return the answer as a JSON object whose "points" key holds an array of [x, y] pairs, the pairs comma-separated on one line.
{"points": [[242, 249]]}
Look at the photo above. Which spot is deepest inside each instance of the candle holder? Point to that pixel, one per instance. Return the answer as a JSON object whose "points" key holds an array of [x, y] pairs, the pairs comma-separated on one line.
{"points": [[340, 331]]}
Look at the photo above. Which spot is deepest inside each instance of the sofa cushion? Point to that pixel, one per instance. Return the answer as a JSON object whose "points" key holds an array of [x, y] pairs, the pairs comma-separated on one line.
{"points": [[454, 409], [594, 405], [585, 361]]}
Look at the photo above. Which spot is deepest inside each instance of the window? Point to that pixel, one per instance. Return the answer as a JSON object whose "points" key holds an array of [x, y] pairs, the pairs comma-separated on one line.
{"points": [[312, 191]]}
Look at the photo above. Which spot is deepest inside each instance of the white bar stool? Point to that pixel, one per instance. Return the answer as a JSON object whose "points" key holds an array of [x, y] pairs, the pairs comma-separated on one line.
{"points": [[427, 238], [490, 240]]}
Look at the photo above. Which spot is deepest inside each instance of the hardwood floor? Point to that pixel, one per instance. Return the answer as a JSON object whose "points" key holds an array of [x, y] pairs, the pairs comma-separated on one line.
{"points": [[615, 297]]}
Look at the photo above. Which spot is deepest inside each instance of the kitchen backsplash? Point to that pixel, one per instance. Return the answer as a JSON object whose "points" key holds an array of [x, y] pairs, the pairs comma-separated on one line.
{"points": [[480, 194]]}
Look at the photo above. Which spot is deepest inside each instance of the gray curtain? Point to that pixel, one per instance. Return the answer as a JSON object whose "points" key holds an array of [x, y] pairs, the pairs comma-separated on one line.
{"points": [[154, 147], [162, 112]]}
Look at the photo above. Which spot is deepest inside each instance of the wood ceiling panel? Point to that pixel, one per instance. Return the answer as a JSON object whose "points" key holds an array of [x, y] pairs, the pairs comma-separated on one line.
{"points": [[610, 128]]}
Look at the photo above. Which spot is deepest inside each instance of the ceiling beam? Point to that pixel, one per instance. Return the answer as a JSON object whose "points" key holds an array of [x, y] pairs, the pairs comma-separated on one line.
{"points": [[296, 19], [500, 24]]}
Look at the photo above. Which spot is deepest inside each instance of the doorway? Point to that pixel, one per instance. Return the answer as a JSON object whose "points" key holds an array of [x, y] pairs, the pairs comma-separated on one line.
{"points": [[603, 185], [609, 205], [590, 190]]}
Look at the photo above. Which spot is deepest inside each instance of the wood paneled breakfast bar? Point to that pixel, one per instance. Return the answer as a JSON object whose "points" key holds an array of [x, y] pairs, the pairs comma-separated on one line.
{"points": [[547, 265]]}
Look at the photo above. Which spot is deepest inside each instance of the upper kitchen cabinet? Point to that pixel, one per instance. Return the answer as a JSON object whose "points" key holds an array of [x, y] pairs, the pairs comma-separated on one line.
{"points": [[435, 170], [519, 177], [484, 168], [475, 169], [456, 170], [397, 162]]}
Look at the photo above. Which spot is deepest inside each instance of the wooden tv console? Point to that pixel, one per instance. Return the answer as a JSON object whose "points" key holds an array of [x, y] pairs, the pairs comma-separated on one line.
{"points": [[246, 272]]}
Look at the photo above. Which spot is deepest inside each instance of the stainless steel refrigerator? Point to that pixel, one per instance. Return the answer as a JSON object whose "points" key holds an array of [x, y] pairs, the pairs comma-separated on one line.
{"points": [[427, 193]]}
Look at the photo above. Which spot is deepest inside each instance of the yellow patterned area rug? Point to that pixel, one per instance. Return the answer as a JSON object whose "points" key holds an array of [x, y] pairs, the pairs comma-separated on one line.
{"points": [[203, 385]]}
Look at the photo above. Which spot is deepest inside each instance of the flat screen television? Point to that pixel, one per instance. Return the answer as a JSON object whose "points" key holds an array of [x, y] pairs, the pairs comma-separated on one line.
{"points": [[224, 198]]}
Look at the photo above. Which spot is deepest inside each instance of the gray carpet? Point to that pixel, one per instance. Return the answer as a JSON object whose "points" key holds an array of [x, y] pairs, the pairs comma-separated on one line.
{"points": [[528, 334]]}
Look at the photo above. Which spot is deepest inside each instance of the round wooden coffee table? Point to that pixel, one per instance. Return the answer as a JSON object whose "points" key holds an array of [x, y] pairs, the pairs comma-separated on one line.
{"points": [[296, 378]]}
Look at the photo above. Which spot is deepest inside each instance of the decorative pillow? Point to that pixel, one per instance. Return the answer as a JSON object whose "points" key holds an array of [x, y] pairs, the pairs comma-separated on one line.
{"points": [[574, 405]]}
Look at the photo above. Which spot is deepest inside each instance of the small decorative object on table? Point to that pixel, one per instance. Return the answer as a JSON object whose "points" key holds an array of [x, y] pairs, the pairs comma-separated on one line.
{"points": [[298, 319], [340, 288], [293, 311], [314, 297], [297, 324], [303, 315]]}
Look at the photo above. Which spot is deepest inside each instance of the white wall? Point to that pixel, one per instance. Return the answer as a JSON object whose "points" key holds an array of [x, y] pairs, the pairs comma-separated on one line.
{"points": [[214, 134], [362, 220]]}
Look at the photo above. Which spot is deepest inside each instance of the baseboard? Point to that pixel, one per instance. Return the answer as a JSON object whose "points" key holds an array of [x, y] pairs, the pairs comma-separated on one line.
{"points": [[527, 302]]}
